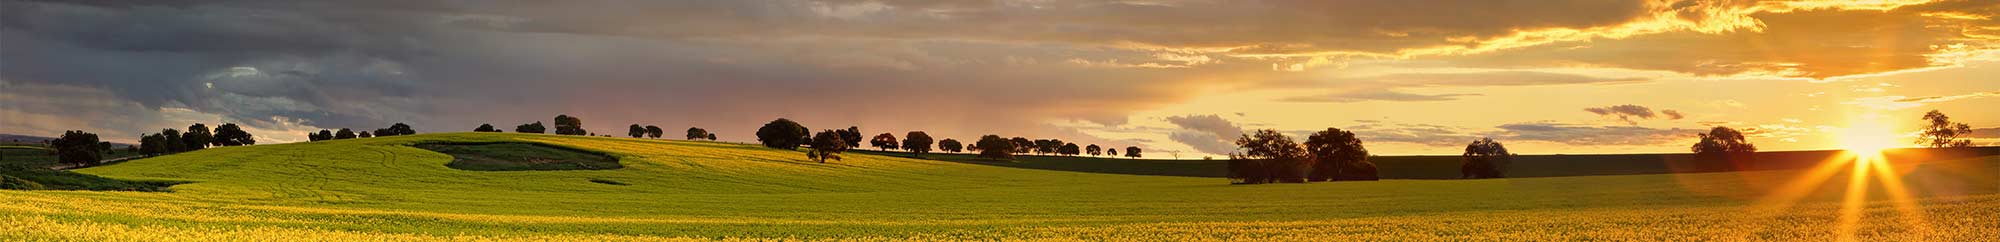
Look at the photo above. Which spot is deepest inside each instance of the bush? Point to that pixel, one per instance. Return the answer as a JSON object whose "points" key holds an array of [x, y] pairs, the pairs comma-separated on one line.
{"points": [[15, 183]]}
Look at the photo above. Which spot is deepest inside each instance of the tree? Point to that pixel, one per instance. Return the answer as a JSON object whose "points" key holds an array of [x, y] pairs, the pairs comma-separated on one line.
{"points": [[485, 128], [654, 131], [384, 132], [826, 145], [1942, 132], [344, 133], [950, 145], [994, 147], [1485, 158], [1338, 155], [1268, 156], [1022, 145], [197, 137], [711, 136], [884, 141], [230, 135], [1113, 152], [1093, 150], [152, 144], [1069, 149], [694, 133], [852, 134], [1723, 149], [917, 142], [363, 135], [400, 129], [1132, 151], [636, 131], [77, 147], [320, 136], [566, 125], [782, 134], [533, 128], [1047, 146]]}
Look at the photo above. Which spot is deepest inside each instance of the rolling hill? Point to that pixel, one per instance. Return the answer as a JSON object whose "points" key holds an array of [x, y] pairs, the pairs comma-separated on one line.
{"points": [[385, 189]]}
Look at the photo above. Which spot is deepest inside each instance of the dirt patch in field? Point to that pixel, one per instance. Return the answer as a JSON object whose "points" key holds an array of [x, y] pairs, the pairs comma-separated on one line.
{"points": [[516, 156]]}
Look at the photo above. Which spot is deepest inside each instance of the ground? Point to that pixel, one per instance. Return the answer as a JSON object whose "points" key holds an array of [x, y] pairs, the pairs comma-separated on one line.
{"points": [[383, 189]]}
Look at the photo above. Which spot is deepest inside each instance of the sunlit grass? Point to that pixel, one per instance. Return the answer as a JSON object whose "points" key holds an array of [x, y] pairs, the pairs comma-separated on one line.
{"points": [[377, 189]]}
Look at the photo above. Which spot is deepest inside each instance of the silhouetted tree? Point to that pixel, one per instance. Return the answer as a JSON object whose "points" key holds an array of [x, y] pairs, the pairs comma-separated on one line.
{"points": [[1047, 146], [485, 128], [1485, 158], [636, 131], [77, 147], [1022, 145], [884, 141], [1069, 149], [694, 133], [994, 147], [1723, 149], [951, 145], [1942, 132], [319, 136], [917, 142], [533, 128], [1268, 156], [363, 134], [1113, 152], [152, 144], [852, 134], [1093, 150], [826, 145], [173, 141], [230, 135], [197, 137], [711, 136], [782, 134], [566, 125], [1132, 151], [344, 133], [655, 131], [384, 132], [1338, 155], [400, 129]]}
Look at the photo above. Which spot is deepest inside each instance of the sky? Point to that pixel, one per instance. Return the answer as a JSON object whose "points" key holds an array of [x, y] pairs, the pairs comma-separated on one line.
{"points": [[1178, 78]]}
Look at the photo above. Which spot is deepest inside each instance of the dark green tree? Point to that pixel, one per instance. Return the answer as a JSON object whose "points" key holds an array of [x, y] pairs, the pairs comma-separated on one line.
{"points": [[782, 134], [77, 147], [344, 133], [994, 147], [884, 141], [319, 136], [951, 145], [401, 129], [566, 125], [533, 128], [917, 142], [1268, 156], [230, 135], [826, 145], [694, 133], [485, 128], [852, 134], [1132, 151], [197, 137], [1022, 145], [1485, 158], [1338, 155], [1069, 149], [654, 131], [636, 131], [1093, 150]]}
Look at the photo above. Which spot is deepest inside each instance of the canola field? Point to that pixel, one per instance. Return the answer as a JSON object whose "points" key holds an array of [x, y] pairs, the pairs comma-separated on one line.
{"points": [[379, 189]]}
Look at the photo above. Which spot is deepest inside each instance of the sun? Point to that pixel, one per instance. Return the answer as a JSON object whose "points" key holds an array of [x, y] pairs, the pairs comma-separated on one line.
{"points": [[1868, 136]]}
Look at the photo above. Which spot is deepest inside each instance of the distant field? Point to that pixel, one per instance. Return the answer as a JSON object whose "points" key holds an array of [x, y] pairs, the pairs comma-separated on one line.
{"points": [[383, 189], [1446, 167]]}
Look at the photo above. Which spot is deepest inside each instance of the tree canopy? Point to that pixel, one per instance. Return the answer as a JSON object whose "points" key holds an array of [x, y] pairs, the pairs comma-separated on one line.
{"points": [[230, 135], [1940, 132], [782, 134], [1485, 158], [533, 128], [1132, 151], [826, 145], [77, 147], [884, 141], [995, 147], [1338, 155], [636, 131], [951, 145], [566, 125], [197, 137], [1268, 156], [1093, 150], [694, 133], [1723, 149], [852, 134], [917, 142], [344, 133]]}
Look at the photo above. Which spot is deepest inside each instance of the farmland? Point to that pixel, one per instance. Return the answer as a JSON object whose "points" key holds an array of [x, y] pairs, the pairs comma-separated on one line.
{"points": [[385, 189]]}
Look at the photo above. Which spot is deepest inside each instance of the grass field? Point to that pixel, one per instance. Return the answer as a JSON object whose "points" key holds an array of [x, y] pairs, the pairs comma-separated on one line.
{"points": [[383, 189]]}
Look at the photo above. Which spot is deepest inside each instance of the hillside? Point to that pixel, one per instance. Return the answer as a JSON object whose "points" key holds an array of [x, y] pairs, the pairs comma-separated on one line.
{"points": [[384, 189], [1446, 166]]}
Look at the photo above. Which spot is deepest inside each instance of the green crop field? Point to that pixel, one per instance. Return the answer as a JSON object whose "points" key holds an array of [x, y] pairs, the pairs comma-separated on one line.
{"points": [[384, 189]]}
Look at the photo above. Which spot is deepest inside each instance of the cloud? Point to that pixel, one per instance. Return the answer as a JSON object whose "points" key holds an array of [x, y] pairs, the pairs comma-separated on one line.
{"points": [[1576, 134], [1388, 87], [1985, 133], [1904, 102], [1626, 112], [1206, 133]]}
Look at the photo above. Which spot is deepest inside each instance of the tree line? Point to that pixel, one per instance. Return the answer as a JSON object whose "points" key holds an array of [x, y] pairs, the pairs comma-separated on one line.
{"points": [[828, 144]]}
